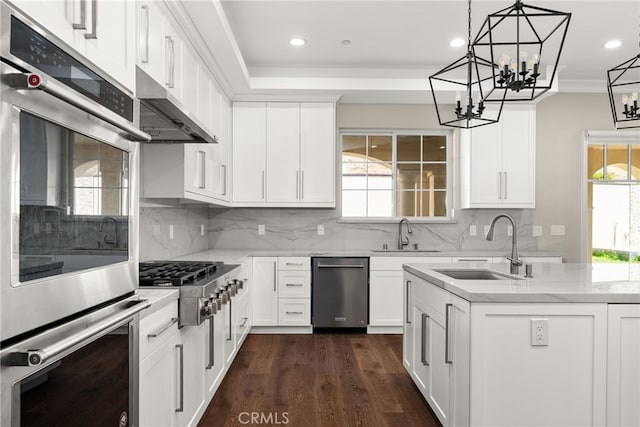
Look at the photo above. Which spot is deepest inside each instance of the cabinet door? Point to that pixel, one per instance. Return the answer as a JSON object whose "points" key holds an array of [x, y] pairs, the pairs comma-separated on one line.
{"points": [[193, 366], [222, 162], [228, 310], [150, 56], [623, 370], [249, 151], [283, 152], [264, 293], [408, 329], [198, 168], [190, 78], [241, 316], [159, 387], [385, 298], [459, 329], [421, 369], [437, 355], [486, 165], [108, 45], [172, 58], [294, 284], [317, 153], [518, 158]]}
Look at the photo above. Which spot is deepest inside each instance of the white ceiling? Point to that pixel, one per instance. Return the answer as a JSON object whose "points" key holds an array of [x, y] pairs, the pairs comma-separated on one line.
{"points": [[395, 45]]}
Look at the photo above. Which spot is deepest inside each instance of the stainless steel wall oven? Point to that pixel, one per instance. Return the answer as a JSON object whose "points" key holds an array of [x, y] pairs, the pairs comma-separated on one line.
{"points": [[68, 214]]}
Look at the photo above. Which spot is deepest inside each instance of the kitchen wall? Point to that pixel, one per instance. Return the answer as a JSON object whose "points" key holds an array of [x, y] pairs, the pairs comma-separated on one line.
{"points": [[155, 243], [561, 120]]}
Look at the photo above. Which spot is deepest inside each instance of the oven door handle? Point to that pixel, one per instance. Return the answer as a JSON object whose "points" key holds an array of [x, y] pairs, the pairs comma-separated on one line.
{"points": [[41, 356], [35, 81]]}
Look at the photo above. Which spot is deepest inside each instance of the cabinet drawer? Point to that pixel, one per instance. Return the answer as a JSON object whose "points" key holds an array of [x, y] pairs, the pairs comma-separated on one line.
{"points": [[156, 328], [294, 263], [395, 262], [294, 312], [294, 284], [431, 295], [472, 259]]}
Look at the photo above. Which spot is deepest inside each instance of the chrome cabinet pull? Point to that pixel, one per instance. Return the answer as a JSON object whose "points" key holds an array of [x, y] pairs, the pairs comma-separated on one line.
{"points": [[425, 328], [294, 284], [506, 181], [407, 319], [500, 185], [230, 325], [145, 50], [211, 343], [294, 312], [160, 331], [180, 407], [223, 179], [301, 185], [263, 185], [94, 21], [275, 278], [297, 184], [294, 263], [340, 266], [203, 177], [244, 322], [473, 260], [170, 47], [447, 332], [82, 25]]}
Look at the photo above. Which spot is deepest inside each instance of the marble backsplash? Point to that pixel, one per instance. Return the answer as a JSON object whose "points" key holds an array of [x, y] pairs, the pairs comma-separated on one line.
{"points": [[296, 229], [155, 243]]}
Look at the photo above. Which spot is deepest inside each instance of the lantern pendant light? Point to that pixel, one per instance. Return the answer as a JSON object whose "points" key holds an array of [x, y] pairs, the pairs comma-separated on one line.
{"points": [[470, 77], [623, 85]]}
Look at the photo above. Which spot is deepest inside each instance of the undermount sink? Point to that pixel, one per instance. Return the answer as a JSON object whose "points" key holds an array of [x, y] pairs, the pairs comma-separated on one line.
{"points": [[468, 274], [412, 251]]}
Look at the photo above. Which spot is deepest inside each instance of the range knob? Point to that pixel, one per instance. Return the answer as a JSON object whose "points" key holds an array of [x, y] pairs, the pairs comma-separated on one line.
{"points": [[206, 310]]}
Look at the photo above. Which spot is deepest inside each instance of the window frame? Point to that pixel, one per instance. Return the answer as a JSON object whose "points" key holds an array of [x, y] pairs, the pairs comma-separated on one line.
{"points": [[394, 133]]}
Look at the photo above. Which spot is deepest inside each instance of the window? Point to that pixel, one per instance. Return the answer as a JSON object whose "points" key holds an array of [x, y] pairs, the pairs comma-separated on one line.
{"points": [[395, 174]]}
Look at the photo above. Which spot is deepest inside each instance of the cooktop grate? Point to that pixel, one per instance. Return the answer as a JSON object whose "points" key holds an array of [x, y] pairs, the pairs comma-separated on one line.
{"points": [[177, 273]]}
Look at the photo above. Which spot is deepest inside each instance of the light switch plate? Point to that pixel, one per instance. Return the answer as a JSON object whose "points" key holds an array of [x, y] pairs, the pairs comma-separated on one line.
{"points": [[557, 230], [261, 229], [539, 332], [536, 230], [320, 230], [473, 230]]}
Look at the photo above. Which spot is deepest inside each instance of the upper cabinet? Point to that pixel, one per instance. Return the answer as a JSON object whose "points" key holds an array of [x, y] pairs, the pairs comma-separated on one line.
{"points": [[284, 154], [89, 27], [498, 161]]}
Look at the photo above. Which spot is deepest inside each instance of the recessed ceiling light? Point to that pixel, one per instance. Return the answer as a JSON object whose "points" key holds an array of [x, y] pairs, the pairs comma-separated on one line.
{"points": [[346, 42], [612, 44], [297, 42], [457, 42]]}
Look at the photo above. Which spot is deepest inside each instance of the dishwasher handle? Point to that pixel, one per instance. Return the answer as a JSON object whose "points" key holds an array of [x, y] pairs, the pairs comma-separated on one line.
{"points": [[341, 266]]}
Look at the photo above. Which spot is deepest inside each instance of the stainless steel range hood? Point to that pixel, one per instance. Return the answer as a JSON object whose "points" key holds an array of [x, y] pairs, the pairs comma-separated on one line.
{"points": [[163, 117]]}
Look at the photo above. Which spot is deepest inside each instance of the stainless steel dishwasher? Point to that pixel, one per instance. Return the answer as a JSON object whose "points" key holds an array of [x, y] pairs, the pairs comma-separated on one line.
{"points": [[340, 292]]}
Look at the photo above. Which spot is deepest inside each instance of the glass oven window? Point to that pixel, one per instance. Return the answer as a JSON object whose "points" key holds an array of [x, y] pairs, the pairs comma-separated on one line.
{"points": [[74, 200]]}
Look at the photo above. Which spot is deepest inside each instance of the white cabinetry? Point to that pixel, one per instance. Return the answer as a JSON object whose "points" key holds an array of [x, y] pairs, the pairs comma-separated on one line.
{"points": [[282, 293], [192, 397], [497, 162], [87, 26], [284, 154], [182, 171], [385, 290], [439, 358], [623, 370], [159, 367]]}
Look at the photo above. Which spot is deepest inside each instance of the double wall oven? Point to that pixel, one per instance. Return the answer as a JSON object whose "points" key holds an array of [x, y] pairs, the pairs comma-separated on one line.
{"points": [[68, 235]]}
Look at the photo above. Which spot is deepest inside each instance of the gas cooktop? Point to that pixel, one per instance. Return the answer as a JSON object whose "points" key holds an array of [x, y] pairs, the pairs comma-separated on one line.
{"points": [[179, 273]]}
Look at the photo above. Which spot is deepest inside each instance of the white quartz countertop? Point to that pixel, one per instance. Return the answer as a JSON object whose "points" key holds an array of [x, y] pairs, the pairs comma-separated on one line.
{"points": [[236, 256], [580, 283]]}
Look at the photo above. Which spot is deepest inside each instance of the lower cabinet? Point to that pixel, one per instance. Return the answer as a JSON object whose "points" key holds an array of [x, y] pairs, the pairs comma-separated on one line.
{"points": [[192, 365], [476, 364]]}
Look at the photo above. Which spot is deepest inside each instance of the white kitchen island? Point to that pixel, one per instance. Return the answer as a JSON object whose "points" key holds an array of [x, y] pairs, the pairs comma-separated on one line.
{"points": [[558, 349]]}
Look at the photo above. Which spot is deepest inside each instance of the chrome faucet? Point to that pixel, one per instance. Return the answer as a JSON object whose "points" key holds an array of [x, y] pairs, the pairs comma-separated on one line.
{"points": [[403, 241], [106, 238], [515, 261]]}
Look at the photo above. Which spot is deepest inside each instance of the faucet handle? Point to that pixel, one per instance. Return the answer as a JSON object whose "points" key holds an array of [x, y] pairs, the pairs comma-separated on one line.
{"points": [[516, 261]]}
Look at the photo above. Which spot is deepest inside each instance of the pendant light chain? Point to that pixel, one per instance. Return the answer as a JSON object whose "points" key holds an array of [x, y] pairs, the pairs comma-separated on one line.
{"points": [[469, 30]]}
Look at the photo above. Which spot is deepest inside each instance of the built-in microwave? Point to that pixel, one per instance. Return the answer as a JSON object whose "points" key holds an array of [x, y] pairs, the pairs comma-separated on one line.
{"points": [[68, 182]]}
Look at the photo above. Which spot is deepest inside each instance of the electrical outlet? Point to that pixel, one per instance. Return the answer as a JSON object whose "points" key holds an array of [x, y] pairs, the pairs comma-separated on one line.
{"points": [[557, 230], [539, 332], [536, 230], [261, 229], [473, 230], [202, 229], [320, 230], [486, 230], [509, 230], [171, 232]]}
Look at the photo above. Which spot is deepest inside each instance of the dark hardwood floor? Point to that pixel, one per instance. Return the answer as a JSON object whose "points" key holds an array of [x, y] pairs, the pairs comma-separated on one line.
{"points": [[328, 380]]}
